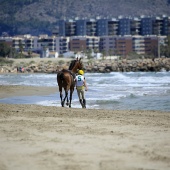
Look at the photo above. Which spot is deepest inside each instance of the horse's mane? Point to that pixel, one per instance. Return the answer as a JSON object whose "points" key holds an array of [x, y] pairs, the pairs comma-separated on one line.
{"points": [[72, 64]]}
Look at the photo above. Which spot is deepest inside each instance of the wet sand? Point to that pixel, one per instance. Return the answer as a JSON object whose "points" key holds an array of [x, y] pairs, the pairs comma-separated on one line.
{"points": [[15, 90], [36, 137]]}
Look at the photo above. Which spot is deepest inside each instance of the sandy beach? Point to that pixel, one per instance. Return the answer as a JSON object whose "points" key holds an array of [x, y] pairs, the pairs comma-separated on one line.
{"points": [[36, 137]]}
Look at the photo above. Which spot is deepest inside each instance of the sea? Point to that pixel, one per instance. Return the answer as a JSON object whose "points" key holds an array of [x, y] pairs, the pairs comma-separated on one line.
{"points": [[112, 91]]}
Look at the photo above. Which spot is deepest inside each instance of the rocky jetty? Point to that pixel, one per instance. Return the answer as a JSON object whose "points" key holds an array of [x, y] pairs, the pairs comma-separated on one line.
{"points": [[93, 66], [145, 65]]}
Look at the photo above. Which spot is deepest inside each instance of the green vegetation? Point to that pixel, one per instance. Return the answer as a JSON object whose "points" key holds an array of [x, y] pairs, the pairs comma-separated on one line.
{"points": [[134, 55], [4, 49], [165, 49], [4, 61]]}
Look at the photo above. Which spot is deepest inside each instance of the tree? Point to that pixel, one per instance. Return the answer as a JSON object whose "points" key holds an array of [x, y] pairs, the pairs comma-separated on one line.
{"points": [[89, 53], [21, 48], [110, 52], [103, 54], [13, 53], [4, 49], [165, 49], [96, 50], [29, 53]]}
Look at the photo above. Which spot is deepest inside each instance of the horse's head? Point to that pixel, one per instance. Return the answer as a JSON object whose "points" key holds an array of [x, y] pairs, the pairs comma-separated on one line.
{"points": [[75, 65]]}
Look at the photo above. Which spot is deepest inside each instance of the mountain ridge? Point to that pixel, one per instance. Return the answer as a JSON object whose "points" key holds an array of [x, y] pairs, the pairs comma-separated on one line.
{"points": [[41, 16]]}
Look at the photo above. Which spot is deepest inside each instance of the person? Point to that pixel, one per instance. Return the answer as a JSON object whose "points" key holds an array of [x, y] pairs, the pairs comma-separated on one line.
{"points": [[81, 85]]}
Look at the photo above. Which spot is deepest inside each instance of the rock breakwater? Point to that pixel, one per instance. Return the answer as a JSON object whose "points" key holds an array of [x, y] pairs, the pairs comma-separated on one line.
{"points": [[93, 66]]}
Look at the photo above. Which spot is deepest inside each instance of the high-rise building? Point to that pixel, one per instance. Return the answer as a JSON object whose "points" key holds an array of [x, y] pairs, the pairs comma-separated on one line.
{"points": [[151, 45], [102, 27], [108, 44], [78, 44], [91, 27], [61, 29], [135, 26], [157, 26], [113, 27], [81, 27], [70, 28], [124, 45], [124, 26], [138, 44], [146, 26], [166, 25], [143, 25]]}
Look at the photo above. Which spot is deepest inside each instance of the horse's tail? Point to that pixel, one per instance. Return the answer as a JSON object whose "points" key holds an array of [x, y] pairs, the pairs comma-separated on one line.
{"points": [[60, 75]]}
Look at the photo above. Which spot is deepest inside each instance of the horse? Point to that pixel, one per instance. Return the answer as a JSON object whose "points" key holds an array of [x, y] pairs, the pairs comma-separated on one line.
{"points": [[65, 80]]}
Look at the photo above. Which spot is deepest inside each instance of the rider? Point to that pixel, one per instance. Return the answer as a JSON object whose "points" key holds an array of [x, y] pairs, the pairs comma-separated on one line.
{"points": [[80, 85]]}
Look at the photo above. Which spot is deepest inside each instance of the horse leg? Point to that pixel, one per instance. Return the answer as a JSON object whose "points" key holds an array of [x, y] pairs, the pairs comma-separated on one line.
{"points": [[62, 103], [67, 101], [66, 96], [61, 96], [71, 92]]}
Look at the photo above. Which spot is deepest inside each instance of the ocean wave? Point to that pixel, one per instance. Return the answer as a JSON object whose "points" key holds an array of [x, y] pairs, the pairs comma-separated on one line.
{"points": [[104, 89]]}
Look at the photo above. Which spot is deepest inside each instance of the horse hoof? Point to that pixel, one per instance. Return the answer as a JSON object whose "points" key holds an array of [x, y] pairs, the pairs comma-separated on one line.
{"points": [[62, 104]]}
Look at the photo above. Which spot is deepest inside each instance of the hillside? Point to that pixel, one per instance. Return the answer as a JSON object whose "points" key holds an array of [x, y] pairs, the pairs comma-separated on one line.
{"points": [[41, 16]]}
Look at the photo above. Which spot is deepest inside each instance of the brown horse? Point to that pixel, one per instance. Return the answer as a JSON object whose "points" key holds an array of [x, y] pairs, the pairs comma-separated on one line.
{"points": [[65, 79]]}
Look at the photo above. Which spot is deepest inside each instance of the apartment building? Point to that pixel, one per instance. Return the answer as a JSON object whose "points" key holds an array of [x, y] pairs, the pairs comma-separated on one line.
{"points": [[143, 25], [61, 28], [157, 26], [108, 44], [80, 43], [91, 27], [113, 27], [81, 27], [151, 45], [124, 46], [46, 42], [135, 26], [111, 45], [116, 45], [166, 26], [124, 26], [62, 44], [92, 43], [70, 28], [29, 43], [37, 44], [146, 26], [77, 44], [18, 43], [102, 27], [138, 44]]}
